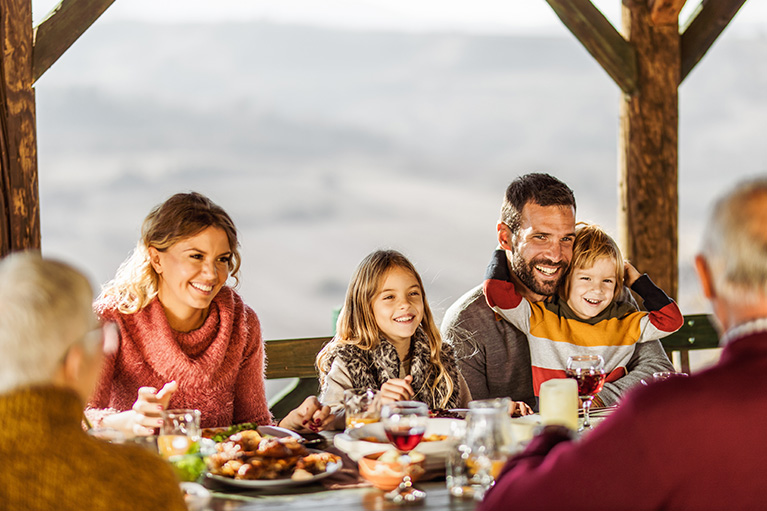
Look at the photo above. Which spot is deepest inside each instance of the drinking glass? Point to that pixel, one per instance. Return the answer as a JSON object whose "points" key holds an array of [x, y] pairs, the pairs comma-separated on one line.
{"points": [[665, 375], [180, 431], [481, 449], [589, 372], [405, 424], [361, 406]]}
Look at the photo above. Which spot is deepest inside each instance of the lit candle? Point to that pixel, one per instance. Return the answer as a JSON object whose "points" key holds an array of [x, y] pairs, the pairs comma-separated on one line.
{"points": [[559, 402]]}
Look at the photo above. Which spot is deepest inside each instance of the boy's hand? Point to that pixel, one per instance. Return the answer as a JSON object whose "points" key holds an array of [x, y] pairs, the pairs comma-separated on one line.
{"points": [[630, 274]]}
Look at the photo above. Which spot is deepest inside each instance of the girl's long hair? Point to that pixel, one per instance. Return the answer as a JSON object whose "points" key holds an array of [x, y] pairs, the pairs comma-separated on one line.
{"points": [[357, 325], [181, 216]]}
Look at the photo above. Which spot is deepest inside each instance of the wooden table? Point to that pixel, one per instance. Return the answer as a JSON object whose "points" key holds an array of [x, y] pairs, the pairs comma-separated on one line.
{"points": [[316, 497]]}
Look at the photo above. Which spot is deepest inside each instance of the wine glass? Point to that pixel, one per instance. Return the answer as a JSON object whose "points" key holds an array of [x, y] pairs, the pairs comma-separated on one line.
{"points": [[405, 424], [589, 372]]}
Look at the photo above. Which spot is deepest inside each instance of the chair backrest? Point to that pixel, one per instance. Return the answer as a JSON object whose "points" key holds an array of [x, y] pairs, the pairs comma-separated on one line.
{"points": [[293, 358], [697, 333]]}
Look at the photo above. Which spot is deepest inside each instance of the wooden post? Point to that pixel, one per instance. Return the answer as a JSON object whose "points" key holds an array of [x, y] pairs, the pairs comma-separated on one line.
{"points": [[648, 150], [19, 199]]}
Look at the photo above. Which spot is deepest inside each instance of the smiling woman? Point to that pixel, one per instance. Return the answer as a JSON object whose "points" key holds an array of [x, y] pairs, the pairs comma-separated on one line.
{"points": [[183, 330]]}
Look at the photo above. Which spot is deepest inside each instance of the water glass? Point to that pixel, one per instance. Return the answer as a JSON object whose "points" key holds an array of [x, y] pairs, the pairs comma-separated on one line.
{"points": [[179, 433], [361, 406], [477, 459], [665, 375]]}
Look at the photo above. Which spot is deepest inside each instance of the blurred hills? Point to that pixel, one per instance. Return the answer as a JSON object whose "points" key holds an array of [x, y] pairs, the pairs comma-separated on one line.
{"points": [[324, 145]]}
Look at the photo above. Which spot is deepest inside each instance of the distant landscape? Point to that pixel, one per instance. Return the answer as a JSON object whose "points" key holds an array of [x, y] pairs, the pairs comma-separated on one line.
{"points": [[324, 145]]}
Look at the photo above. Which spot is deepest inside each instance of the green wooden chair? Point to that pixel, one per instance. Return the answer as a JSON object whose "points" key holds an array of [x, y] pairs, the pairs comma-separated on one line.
{"points": [[697, 333]]}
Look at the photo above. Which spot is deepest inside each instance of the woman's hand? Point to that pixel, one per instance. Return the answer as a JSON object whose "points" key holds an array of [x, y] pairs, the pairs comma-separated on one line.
{"points": [[397, 389], [517, 408], [311, 415], [146, 414]]}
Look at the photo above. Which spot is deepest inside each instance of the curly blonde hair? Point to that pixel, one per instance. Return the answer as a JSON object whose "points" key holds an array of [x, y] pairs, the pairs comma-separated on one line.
{"points": [[182, 216], [357, 325]]}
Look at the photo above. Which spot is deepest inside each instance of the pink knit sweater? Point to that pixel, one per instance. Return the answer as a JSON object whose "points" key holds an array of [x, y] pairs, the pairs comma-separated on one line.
{"points": [[219, 367]]}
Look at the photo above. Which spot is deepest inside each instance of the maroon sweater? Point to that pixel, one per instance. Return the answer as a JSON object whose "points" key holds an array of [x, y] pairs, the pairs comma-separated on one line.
{"points": [[692, 443], [219, 367]]}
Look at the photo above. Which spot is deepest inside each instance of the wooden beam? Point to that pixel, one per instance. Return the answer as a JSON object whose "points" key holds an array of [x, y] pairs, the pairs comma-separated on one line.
{"points": [[600, 39], [666, 12], [703, 28], [19, 200], [61, 28], [649, 149]]}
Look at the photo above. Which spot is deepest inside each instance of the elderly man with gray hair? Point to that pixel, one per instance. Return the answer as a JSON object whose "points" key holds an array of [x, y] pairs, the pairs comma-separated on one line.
{"points": [[692, 443], [51, 348]]}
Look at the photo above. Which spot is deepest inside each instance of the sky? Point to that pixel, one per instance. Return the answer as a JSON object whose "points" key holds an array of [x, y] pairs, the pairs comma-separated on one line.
{"points": [[471, 16]]}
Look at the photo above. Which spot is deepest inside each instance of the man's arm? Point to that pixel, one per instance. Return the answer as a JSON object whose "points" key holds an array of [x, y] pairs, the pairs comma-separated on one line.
{"points": [[493, 355], [459, 330], [649, 357], [615, 467]]}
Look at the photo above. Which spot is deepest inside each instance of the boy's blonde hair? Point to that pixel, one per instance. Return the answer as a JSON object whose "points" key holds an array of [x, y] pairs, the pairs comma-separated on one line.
{"points": [[357, 325], [181, 216], [592, 243]]}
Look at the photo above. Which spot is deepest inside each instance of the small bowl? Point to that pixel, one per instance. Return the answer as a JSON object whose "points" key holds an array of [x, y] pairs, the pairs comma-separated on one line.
{"points": [[386, 474]]}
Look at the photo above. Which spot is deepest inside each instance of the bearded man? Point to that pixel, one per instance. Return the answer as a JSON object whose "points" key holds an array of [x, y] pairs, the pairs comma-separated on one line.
{"points": [[536, 230]]}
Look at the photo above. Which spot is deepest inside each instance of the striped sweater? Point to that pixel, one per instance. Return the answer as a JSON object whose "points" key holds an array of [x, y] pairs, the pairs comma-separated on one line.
{"points": [[554, 332]]}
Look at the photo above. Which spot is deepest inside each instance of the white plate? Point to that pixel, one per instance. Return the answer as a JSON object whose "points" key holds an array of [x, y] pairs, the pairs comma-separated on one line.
{"points": [[278, 432], [277, 483], [353, 445]]}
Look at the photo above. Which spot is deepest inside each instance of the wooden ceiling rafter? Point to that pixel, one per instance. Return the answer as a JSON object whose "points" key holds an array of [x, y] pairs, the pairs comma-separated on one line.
{"points": [[702, 30], [61, 28], [648, 61], [600, 39]]}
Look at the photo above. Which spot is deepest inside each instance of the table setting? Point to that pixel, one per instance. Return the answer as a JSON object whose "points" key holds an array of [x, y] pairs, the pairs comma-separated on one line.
{"points": [[388, 455]]}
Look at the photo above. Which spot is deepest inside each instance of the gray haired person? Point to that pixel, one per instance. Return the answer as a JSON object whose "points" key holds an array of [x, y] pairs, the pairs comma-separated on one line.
{"points": [[51, 348]]}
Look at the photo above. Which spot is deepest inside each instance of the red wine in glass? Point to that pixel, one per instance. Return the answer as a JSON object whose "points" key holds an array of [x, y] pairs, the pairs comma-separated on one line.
{"points": [[405, 438], [405, 424], [589, 372], [589, 382]]}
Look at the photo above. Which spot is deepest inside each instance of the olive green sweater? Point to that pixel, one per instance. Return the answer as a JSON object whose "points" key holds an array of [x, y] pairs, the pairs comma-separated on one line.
{"points": [[47, 461]]}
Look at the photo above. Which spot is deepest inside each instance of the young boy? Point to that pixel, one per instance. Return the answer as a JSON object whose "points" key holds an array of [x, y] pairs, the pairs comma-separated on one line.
{"points": [[586, 318]]}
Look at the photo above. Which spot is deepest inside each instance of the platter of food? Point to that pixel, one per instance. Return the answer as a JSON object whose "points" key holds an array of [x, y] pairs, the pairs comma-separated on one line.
{"points": [[258, 459]]}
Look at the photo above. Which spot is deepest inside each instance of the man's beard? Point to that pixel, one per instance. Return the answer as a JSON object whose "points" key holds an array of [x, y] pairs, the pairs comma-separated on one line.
{"points": [[525, 272]]}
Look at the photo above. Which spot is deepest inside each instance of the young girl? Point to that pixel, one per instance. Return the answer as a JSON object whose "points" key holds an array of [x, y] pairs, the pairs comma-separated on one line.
{"points": [[587, 316], [387, 339]]}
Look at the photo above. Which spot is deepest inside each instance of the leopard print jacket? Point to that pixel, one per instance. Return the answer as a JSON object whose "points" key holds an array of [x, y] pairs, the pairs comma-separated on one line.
{"points": [[372, 368]]}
